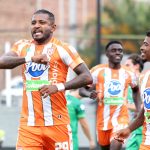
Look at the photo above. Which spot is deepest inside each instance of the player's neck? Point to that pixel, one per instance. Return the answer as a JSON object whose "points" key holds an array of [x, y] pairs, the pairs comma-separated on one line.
{"points": [[43, 42], [114, 66]]}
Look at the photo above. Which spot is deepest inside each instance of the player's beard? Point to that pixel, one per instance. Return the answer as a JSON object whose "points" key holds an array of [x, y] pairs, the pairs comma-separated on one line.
{"points": [[42, 39]]}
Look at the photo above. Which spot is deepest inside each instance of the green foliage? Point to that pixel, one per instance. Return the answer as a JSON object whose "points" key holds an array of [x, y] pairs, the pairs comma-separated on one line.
{"points": [[119, 17], [128, 16]]}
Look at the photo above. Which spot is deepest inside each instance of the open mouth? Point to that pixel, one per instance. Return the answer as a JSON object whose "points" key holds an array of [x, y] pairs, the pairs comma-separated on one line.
{"points": [[117, 57], [37, 33]]}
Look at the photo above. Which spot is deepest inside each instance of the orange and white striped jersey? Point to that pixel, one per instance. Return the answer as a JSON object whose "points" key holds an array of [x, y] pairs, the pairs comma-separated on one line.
{"points": [[111, 85], [145, 95], [36, 110]]}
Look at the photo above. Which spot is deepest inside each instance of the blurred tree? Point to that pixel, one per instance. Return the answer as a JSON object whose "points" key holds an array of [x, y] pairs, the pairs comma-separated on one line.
{"points": [[87, 44], [123, 20], [128, 16]]}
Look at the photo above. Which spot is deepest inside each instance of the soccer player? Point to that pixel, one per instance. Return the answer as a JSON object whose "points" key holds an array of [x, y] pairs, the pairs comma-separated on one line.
{"points": [[135, 63], [144, 116], [44, 121], [111, 82], [77, 114]]}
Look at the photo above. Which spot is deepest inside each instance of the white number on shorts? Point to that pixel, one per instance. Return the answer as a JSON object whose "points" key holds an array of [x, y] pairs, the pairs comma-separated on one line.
{"points": [[61, 146]]}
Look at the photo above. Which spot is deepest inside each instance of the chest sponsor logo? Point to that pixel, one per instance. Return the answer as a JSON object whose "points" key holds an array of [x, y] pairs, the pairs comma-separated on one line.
{"points": [[35, 70], [114, 87], [146, 98]]}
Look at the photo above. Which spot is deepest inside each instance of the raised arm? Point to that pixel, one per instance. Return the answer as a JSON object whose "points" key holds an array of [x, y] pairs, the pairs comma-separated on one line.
{"points": [[124, 133], [83, 78], [11, 60]]}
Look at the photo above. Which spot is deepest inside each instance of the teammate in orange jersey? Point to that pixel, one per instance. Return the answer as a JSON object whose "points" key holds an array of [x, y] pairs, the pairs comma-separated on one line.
{"points": [[111, 82], [144, 116], [44, 122], [135, 62]]}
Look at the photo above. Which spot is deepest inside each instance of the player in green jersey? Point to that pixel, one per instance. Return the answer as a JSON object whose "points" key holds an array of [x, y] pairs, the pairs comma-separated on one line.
{"points": [[76, 111]]}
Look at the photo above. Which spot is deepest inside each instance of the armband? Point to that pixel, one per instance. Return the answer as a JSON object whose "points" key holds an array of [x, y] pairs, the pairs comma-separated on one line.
{"points": [[60, 87], [28, 59]]}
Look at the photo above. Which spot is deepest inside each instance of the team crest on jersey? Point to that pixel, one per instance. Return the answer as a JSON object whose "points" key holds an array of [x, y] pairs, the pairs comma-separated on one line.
{"points": [[50, 51], [113, 87], [146, 98], [35, 70]]}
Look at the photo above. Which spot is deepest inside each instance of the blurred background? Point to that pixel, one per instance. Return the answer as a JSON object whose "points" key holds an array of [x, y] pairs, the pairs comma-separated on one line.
{"points": [[86, 24]]}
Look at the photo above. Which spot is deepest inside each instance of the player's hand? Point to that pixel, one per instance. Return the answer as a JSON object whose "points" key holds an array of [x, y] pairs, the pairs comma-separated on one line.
{"points": [[41, 59], [122, 134], [47, 90], [93, 94], [92, 145]]}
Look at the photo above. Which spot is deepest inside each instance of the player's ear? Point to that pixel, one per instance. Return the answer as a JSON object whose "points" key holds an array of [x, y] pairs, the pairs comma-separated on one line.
{"points": [[53, 27]]}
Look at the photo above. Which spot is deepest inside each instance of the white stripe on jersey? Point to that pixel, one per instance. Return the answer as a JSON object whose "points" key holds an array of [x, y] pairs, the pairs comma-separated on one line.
{"points": [[144, 82], [31, 116], [106, 116], [30, 53], [70, 137], [65, 57], [143, 87], [107, 77], [147, 135], [95, 75], [122, 80], [114, 119], [20, 47], [47, 109]]}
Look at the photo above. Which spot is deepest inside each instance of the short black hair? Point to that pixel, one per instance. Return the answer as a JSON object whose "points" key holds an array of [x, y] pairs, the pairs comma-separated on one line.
{"points": [[148, 33], [112, 42], [44, 11], [136, 59]]}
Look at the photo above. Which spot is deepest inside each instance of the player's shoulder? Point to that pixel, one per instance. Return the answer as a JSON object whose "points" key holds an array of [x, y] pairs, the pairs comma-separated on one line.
{"points": [[145, 73], [23, 42], [99, 67], [63, 45], [68, 47]]}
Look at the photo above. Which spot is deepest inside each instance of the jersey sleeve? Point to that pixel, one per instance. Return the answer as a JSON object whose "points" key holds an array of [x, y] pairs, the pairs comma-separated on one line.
{"points": [[70, 56], [18, 46], [95, 72]]}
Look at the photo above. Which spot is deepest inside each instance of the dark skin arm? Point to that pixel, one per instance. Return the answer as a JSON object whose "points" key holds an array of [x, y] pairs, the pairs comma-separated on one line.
{"points": [[83, 78], [136, 98], [11, 60], [139, 120], [124, 133], [88, 91]]}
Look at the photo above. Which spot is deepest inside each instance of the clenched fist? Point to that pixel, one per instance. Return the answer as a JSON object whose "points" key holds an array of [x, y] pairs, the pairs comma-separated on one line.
{"points": [[40, 59]]}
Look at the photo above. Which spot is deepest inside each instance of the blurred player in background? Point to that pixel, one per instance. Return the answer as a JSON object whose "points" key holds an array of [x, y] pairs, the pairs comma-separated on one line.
{"points": [[77, 114], [111, 82]]}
